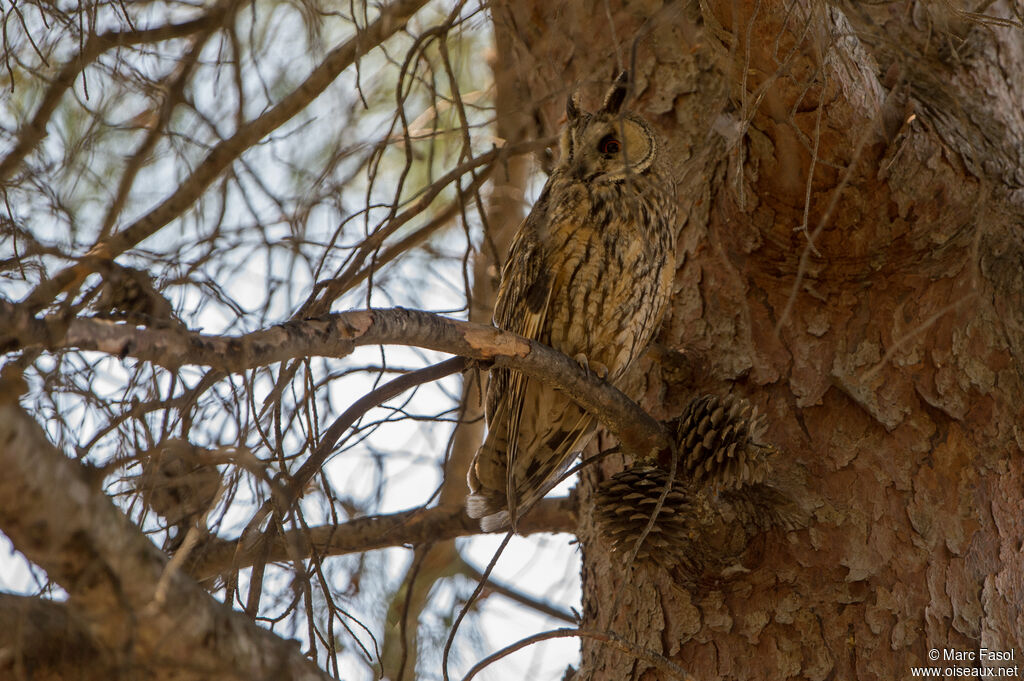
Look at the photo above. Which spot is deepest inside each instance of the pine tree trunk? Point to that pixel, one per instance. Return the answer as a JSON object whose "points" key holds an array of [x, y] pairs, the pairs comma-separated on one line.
{"points": [[850, 261]]}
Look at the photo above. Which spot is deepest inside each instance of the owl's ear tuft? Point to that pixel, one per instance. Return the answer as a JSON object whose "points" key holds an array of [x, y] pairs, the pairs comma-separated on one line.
{"points": [[616, 94], [572, 106]]}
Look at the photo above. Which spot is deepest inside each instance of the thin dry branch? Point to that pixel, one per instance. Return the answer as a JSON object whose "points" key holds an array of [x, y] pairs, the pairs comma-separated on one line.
{"points": [[33, 132], [174, 88], [415, 526], [518, 596], [609, 638], [66, 525], [392, 19], [252, 542], [358, 271]]}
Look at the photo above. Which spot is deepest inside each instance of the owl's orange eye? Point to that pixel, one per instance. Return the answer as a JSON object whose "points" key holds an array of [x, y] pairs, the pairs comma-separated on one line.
{"points": [[609, 145]]}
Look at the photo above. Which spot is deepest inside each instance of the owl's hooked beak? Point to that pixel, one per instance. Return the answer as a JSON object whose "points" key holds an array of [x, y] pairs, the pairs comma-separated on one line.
{"points": [[581, 167]]}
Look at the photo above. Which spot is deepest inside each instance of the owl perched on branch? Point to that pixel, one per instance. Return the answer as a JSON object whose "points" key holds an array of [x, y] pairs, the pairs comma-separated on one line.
{"points": [[589, 274]]}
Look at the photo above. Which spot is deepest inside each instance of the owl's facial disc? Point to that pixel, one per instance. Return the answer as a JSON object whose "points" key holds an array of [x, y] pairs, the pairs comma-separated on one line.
{"points": [[611, 148], [636, 144]]}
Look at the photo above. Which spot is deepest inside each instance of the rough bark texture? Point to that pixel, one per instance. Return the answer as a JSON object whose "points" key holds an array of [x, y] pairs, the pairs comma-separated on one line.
{"points": [[850, 261], [47, 641]]}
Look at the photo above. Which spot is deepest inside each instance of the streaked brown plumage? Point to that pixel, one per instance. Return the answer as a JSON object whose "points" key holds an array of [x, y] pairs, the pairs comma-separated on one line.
{"points": [[589, 274]]}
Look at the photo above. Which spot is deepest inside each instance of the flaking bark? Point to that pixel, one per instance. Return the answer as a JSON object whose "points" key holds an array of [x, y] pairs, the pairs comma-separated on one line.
{"points": [[849, 262]]}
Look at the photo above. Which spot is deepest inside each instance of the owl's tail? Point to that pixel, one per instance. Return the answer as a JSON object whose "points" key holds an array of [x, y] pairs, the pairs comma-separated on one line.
{"points": [[487, 477], [497, 496], [489, 521]]}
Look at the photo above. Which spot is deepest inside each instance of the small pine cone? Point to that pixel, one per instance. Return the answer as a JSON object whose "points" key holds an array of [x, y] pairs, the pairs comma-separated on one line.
{"points": [[129, 293], [178, 481], [717, 439], [624, 505]]}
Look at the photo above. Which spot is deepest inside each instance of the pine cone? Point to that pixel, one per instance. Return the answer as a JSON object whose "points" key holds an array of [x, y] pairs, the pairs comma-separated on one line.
{"points": [[179, 482], [624, 505], [128, 293], [717, 440], [718, 502]]}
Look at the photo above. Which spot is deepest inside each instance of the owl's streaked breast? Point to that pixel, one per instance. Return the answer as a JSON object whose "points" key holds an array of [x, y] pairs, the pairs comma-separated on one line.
{"points": [[609, 264]]}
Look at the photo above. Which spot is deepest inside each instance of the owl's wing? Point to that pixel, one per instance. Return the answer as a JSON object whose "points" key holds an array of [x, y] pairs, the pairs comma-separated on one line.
{"points": [[521, 307], [522, 301]]}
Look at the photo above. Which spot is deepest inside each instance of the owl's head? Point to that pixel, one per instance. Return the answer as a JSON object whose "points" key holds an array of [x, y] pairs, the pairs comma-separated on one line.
{"points": [[608, 145]]}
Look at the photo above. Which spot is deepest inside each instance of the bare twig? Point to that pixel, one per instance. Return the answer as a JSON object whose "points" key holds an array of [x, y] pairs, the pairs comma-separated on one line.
{"points": [[33, 132], [609, 638], [392, 18], [287, 493], [518, 596], [175, 95], [405, 528], [484, 576], [357, 272]]}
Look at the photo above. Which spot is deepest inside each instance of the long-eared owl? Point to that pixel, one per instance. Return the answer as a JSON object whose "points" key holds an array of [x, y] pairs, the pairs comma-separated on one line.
{"points": [[589, 274]]}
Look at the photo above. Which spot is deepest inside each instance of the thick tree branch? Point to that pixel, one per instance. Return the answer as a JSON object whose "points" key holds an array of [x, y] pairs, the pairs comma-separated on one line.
{"points": [[336, 335], [44, 640], [415, 526], [160, 621]]}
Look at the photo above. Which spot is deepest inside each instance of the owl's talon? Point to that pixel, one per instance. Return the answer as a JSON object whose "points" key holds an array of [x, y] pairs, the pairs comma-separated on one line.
{"points": [[592, 368]]}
